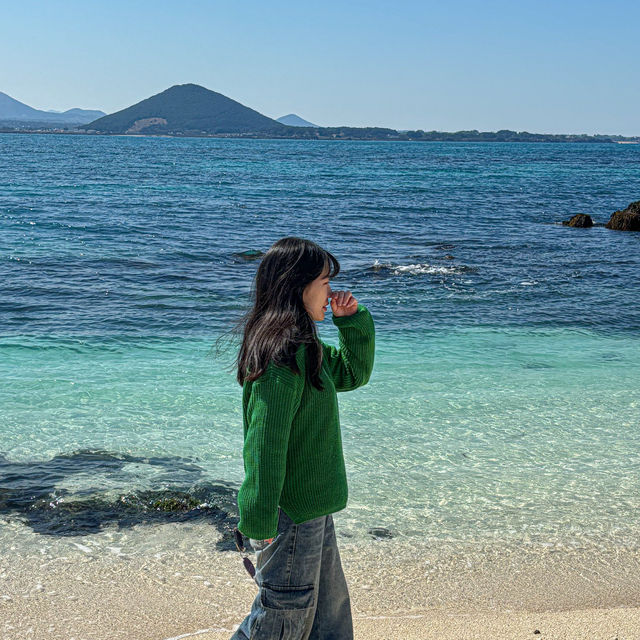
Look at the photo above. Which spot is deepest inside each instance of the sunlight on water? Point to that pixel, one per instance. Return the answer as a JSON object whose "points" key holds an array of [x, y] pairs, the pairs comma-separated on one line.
{"points": [[476, 434]]}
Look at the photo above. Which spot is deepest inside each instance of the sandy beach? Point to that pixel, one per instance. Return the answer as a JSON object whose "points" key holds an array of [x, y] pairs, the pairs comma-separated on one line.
{"points": [[90, 587]]}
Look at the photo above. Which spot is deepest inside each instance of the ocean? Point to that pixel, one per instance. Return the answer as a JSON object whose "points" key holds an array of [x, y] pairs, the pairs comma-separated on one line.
{"points": [[503, 408]]}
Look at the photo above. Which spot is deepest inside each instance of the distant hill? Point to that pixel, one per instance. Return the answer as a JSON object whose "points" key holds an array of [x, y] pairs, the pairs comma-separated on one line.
{"points": [[14, 111], [85, 114], [187, 109], [293, 120]]}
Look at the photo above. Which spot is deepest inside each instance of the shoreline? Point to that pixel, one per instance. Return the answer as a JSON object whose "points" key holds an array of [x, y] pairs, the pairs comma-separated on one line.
{"points": [[91, 588], [336, 138]]}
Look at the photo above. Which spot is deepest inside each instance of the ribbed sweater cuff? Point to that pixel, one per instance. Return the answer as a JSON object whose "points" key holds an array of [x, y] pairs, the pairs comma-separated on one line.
{"points": [[358, 319]]}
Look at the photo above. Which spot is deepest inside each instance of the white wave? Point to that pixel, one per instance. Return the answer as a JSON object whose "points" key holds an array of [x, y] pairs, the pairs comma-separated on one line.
{"points": [[416, 269]]}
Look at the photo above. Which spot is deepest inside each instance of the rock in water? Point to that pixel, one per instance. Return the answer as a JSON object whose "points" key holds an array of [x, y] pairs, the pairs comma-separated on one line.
{"points": [[249, 254], [579, 220], [627, 219]]}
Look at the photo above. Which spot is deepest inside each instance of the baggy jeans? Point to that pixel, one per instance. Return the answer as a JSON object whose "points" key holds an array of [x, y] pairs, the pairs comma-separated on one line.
{"points": [[302, 590]]}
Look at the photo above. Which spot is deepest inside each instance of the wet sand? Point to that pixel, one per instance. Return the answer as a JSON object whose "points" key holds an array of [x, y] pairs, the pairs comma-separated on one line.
{"points": [[84, 588]]}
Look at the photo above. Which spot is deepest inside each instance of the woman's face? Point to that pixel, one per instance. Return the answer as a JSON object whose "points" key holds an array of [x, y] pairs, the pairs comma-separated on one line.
{"points": [[316, 296]]}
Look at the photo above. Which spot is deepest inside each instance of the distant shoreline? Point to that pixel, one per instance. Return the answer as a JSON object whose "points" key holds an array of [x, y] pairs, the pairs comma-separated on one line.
{"points": [[443, 137], [193, 111]]}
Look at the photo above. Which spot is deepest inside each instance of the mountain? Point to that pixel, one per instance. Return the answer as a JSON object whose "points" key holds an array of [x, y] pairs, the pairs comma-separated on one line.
{"points": [[14, 111], [83, 113], [87, 115], [186, 109], [295, 121]]}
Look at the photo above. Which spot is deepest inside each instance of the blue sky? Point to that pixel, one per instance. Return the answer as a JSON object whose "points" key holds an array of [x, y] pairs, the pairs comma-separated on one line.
{"points": [[547, 67]]}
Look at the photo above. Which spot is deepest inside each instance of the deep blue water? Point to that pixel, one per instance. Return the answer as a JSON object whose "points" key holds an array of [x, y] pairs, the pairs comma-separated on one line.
{"points": [[130, 237]]}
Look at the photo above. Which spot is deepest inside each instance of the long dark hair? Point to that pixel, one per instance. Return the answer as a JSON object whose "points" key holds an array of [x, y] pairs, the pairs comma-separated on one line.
{"points": [[278, 323]]}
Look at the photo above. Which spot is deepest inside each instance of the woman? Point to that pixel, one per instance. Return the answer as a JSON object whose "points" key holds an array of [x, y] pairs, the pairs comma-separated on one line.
{"points": [[294, 467]]}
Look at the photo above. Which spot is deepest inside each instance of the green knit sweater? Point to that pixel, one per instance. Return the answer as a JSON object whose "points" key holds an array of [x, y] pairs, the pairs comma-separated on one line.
{"points": [[292, 442]]}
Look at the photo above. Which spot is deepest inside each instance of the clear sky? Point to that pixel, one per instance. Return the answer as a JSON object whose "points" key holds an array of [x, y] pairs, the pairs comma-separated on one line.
{"points": [[545, 67]]}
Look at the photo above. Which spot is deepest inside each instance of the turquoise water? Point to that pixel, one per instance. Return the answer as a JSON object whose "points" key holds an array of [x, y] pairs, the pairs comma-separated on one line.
{"points": [[504, 400]]}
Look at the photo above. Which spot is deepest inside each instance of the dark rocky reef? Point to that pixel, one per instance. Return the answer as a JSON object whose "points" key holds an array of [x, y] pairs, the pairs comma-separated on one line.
{"points": [[579, 220], [626, 219], [249, 254], [30, 492]]}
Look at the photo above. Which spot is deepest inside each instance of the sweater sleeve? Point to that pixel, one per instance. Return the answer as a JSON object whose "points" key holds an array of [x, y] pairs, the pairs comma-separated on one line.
{"points": [[274, 400], [352, 363]]}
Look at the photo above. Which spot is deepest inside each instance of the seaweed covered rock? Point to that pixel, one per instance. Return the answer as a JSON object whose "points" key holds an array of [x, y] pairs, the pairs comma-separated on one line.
{"points": [[627, 219], [579, 220]]}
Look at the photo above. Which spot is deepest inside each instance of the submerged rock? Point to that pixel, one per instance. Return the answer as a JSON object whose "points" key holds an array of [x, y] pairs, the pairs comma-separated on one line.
{"points": [[249, 254], [627, 219], [30, 493], [579, 220]]}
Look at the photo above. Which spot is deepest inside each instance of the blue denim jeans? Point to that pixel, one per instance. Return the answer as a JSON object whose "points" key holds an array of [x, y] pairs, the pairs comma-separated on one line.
{"points": [[302, 591]]}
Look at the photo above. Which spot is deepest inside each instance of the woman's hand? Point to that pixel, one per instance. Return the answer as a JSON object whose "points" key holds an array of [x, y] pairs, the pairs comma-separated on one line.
{"points": [[343, 303]]}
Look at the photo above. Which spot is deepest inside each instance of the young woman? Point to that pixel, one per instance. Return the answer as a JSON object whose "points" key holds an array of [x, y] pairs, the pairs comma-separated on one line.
{"points": [[294, 467]]}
